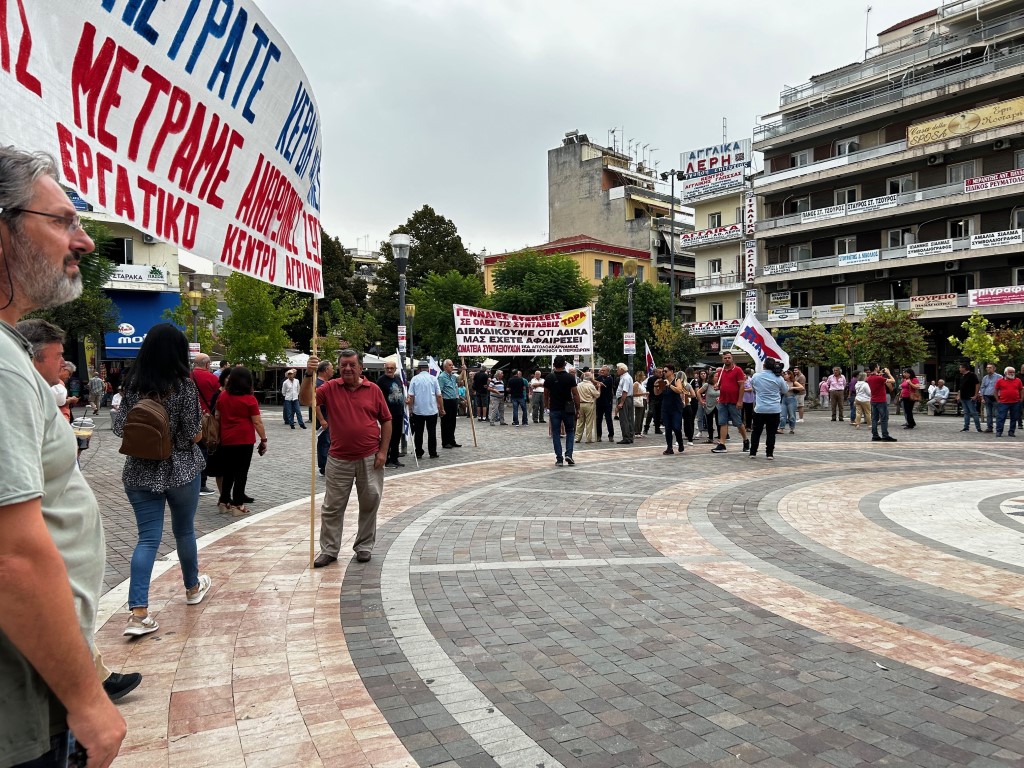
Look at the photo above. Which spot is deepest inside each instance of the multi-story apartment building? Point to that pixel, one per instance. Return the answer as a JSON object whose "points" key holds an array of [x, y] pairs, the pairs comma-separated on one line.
{"points": [[901, 178], [717, 289], [605, 196]]}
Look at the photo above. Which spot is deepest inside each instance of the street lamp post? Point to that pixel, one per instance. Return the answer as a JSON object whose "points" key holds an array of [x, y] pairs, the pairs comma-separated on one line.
{"points": [[410, 311], [195, 298], [629, 269], [673, 174], [400, 245]]}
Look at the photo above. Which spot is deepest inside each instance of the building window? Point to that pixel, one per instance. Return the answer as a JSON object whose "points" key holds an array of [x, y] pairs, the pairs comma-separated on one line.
{"points": [[846, 294], [846, 195], [1019, 158], [897, 185], [1018, 219], [961, 228], [960, 172], [615, 268], [739, 215], [801, 252], [800, 159], [800, 299], [961, 283], [796, 205], [715, 267], [897, 238], [846, 245], [846, 146], [119, 250], [717, 311], [1018, 276], [714, 219], [598, 269], [639, 274]]}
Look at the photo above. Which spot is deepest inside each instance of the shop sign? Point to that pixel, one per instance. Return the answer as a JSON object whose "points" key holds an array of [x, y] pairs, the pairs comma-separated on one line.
{"points": [[778, 269], [930, 247], [963, 123], [987, 297], [828, 310], [860, 257], [995, 180], [874, 204], [994, 239], [862, 307], [933, 301], [821, 214], [713, 327], [750, 260]]}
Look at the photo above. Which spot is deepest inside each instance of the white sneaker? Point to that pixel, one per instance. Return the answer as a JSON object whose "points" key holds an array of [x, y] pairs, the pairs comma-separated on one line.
{"points": [[140, 625], [194, 598], [799, 421]]}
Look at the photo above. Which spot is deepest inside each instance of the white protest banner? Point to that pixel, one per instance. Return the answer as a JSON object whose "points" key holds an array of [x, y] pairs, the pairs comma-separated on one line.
{"points": [[193, 122], [501, 334]]}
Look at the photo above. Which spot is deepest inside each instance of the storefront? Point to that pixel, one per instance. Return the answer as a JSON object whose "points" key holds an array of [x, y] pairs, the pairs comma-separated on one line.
{"points": [[139, 311]]}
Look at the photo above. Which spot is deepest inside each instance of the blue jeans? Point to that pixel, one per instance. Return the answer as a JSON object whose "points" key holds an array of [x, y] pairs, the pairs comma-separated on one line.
{"points": [[971, 409], [517, 406], [292, 411], [990, 410], [853, 407], [789, 412], [1013, 409], [880, 419], [149, 517], [557, 419], [323, 445]]}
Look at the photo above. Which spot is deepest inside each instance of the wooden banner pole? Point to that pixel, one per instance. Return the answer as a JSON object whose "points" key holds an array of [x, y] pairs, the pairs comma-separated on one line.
{"points": [[313, 437], [469, 400]]}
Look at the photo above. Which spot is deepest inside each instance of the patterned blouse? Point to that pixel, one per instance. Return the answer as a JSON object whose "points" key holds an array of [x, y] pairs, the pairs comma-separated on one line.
{"points": [[186, 458]]}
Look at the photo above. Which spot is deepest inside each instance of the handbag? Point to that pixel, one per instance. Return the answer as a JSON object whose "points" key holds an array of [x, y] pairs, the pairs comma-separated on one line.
{"points": [[210, 423], [915, 393]]}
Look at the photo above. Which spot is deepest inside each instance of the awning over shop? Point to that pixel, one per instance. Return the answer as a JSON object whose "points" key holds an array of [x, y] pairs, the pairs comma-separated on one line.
{"points": [[139, 311]]}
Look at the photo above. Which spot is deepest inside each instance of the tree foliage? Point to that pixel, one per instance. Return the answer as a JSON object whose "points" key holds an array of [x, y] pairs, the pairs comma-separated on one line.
{"points": [[977, 346], [1009, 343], [341, 326], [256, 326], [533, 283], [437, 249], [806, 344], [892, 336], [435, 326], [611, 315], [673, 344], [92, 313], [182, 316], [842, 345], [340, 284]]}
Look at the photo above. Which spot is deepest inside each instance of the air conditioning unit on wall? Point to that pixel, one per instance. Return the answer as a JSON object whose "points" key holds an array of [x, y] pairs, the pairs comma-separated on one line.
{"points": [[838, 279], [951, 266], [936, 159], [149, 239], [881, 273], [1000, 144]]}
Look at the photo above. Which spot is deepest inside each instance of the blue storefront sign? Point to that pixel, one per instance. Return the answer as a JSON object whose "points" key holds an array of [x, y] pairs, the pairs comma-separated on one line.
{"points": [[140, 311]]}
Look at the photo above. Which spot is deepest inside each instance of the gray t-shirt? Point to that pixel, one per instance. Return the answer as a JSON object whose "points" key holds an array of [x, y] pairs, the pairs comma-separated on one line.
{"points": [[38, 455]]}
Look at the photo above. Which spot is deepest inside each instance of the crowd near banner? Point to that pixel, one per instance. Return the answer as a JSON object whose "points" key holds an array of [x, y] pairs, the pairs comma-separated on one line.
{"points": [[501, 334], [192, 122]]}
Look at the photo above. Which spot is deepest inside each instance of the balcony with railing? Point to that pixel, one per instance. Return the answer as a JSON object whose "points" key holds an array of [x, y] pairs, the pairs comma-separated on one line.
{"points": [[878, 63], [871, 153], [683, 262], [910, 84], [722, 282], [852, 312]]}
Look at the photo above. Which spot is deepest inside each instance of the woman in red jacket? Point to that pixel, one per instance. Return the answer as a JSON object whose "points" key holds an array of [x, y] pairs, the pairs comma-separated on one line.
{"points": [[240, 422]]}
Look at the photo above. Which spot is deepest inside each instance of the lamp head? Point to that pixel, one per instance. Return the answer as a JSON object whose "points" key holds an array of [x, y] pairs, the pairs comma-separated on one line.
{"points": [[410, 310], [629, 268], [400, 245], [195, 298]]}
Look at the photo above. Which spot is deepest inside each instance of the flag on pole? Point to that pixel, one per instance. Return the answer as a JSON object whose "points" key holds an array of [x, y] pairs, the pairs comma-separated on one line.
{"points": [[405, 396], [650, 358], [753, 339], [432, 366]]}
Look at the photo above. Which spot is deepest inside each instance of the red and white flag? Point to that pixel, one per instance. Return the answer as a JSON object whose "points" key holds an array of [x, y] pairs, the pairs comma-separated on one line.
{"points": [[650, 358], [753, 339]]}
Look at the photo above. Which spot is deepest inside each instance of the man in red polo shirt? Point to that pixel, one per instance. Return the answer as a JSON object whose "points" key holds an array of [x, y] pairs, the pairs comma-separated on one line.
{"points": [[729, 383], [357, 414]]}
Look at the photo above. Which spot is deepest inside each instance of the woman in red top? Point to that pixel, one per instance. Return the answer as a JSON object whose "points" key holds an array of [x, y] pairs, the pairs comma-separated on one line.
{"points": [[240, 422], [1008, 396], [908, 387]]}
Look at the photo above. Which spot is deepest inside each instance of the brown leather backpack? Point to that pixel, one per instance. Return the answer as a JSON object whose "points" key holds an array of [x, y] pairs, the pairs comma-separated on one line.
{"points": [[147, 431]]}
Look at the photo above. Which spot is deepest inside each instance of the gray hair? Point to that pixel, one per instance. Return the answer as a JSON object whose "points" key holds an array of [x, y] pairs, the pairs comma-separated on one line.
{"points": [[350, 353], [621, 367], [322, 366], [40, 334], [19, 171], [70, 366], [201, 360]]}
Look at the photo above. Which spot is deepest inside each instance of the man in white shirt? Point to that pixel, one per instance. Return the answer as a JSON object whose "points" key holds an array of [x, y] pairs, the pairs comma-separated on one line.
{"points": [[537, 397], [290, 392], [624, 404], [937, 402], [425, 403]]}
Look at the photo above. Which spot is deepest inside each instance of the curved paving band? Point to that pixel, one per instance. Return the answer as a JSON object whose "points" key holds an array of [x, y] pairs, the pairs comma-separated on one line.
{"points": [[614, 614]]}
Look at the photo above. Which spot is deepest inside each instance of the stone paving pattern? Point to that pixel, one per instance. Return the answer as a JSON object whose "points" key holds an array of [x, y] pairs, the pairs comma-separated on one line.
{"points": [[851, 603]]}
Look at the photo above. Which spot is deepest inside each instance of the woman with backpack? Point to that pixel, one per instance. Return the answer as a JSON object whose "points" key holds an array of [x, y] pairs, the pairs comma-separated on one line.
{"points": [[159, 423]]}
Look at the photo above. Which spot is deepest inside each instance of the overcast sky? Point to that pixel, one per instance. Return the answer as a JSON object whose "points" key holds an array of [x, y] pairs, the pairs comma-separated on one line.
{"points": [[455, 103]]}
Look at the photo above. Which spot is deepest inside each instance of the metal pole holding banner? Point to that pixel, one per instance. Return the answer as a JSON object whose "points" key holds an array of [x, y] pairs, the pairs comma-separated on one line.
{"points": [[314, 438], [469, 401]]}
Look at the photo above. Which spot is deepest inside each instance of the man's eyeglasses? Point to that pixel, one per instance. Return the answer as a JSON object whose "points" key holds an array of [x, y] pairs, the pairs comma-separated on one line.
{"points": [[71, 221]]}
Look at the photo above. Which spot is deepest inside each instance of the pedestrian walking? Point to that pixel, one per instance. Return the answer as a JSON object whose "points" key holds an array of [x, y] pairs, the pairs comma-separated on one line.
{"points": [[562, 402], [290, 393], [162, 370], [240, 423]]}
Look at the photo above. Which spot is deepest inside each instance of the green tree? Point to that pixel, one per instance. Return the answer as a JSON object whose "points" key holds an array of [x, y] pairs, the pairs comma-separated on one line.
{"points": [[437, 249], [340, 284], [1009, 342], [806, 344], [611, 315], [182, 316], [353, 328], [93, 313], [892, 336], [532, 283], [673, 344], [978, 346], [842, 345], [435, 326], [256, 326]]}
